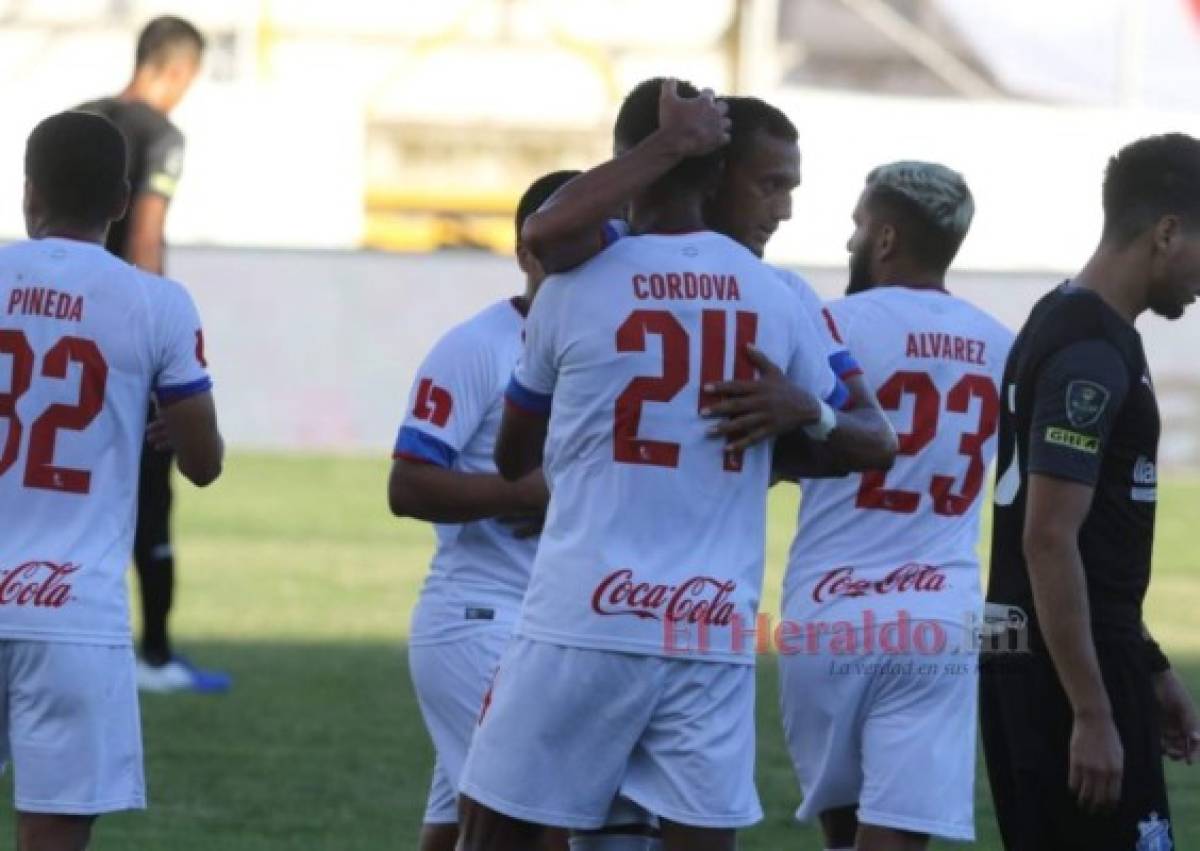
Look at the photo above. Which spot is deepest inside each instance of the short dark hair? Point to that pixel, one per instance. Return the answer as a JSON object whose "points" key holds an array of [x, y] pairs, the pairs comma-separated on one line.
{"points": [[751, 116], [638, 118], [930, 206], [538, 193], [164, 37], [1149, 179], [76, 163]]}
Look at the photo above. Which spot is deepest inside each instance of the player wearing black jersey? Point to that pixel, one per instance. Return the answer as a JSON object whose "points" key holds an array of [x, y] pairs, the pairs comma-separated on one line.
{"points": [[169, 51], [1074, 731]]}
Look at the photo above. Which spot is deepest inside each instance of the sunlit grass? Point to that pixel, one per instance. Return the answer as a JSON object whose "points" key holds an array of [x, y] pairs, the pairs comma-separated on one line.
{"points": [[295, 578]]}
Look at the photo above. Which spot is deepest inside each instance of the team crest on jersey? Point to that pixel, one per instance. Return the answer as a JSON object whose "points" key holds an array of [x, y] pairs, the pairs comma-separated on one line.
{"points": [[1154, 834], [1086, 401]]}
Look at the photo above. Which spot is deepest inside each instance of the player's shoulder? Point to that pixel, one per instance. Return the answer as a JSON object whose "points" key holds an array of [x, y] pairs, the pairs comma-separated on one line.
{"points": [[799, 285], [1070, 314], [984, 322], [163, 295], [1069, 305], [897, 299], [791, 278], [81, 258], [15, 249], [504, 317], [480, 332], [874, 300], [132, 116], [109, 107], [157, 126]]}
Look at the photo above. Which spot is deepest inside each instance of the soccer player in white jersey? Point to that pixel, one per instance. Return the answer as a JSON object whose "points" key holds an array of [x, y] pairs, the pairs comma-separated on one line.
{"points": [[86, 340], [882, 585], [630, 673], [443, 472], [752, 198]]}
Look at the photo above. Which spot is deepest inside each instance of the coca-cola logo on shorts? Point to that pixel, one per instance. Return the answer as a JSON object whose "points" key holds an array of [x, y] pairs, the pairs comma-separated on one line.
{"points": [[841, 582], [698, 600], [37, 583]]}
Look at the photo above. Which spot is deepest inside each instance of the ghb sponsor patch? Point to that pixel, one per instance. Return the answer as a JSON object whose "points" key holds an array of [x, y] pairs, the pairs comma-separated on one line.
{"points": [[1072, 440], [1086, 401]]}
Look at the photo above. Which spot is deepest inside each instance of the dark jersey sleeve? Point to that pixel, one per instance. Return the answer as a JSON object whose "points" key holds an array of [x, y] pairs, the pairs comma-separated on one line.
{"points": [[164, 164], [1079, 390]]}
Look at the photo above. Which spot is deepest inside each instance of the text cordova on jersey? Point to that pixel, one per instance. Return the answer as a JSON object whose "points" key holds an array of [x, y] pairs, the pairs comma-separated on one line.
{"points": [[682, 286]]}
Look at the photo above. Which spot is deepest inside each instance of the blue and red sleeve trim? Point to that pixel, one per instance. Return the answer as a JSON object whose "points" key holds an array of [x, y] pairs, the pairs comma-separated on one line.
{"points": [[527, 401], [839, 397], [614, 229], [421, 448], [844, 365], [172, 393]]}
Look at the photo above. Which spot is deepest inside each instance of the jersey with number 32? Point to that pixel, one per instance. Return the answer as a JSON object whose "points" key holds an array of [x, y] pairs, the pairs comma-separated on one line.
{"points": [[652, 527], [906, 539], [84, 340]]}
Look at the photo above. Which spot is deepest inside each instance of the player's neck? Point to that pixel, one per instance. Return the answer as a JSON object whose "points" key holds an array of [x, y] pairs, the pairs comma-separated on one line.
{"points": [[913, 278], [145, 88], [1109, 276], [667, 215], [75, 233]]}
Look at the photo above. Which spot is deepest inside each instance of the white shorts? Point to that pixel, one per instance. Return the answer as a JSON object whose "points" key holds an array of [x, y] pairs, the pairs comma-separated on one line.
{"points": [[567, 730], [892, 733], [70, 725], [451, 679]]}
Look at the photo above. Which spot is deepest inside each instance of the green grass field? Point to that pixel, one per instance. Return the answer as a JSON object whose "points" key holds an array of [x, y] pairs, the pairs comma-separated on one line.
{"points": [[295, 578]]}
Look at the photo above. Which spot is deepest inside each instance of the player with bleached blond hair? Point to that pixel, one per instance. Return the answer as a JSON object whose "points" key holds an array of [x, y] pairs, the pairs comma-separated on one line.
{"points": [[887, 560]]}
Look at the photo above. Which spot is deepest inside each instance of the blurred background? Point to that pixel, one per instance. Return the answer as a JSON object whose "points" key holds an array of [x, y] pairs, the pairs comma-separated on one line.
{"points": [[324, 138]]}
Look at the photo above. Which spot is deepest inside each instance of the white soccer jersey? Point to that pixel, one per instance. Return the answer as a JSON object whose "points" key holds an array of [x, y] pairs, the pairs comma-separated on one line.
{"points": [[907, 539], [84, 338], [480, 569], [840, 359], [654, 539]]}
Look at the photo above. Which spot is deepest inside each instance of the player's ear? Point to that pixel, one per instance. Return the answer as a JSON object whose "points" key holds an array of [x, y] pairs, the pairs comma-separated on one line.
{"points": [[1166, 231], [885, 244], [31, 206], [529, 264], [712, 181], [122, 205]]}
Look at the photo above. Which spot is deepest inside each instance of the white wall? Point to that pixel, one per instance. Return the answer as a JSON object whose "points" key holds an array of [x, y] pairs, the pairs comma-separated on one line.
{"points": [[1035, 171], [316, 350]]}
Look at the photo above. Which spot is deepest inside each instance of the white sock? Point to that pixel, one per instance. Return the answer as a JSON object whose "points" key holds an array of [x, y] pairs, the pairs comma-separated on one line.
{"points": [[615, 842]]}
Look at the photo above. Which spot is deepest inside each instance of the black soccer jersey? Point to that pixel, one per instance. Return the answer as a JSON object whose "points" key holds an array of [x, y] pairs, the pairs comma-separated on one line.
{"points": [[155, 148], [1079, 405]]}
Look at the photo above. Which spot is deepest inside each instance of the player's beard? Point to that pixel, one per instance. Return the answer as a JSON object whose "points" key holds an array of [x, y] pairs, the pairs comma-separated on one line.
{"points": [[860, 272], [1161, 303]]}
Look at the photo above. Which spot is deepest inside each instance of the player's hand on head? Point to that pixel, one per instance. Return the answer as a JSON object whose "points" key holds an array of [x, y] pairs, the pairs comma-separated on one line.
{"points": [[1096, 762], [759, 409], [697, 125], [1178, 718]]}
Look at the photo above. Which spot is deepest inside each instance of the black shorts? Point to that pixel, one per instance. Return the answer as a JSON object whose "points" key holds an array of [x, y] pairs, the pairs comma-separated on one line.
{"points": [[1026, 724], [152, 539]]}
